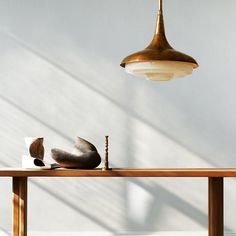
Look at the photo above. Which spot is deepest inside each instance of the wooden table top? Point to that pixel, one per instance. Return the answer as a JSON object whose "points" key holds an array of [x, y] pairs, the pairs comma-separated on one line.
{"points": [[121, 172]]}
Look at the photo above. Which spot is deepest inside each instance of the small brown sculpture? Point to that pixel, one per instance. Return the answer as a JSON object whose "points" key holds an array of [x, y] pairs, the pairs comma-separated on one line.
{"points": [[35, 147], [85, 156]]}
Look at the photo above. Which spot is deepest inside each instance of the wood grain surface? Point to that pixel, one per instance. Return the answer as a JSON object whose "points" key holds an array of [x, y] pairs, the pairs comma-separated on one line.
{"points": [[19, 206], [123, 172], [216, 206]]}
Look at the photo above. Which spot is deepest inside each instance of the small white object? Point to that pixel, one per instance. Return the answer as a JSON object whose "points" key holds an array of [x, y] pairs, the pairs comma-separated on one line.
{"points": [[160, 70], [35, 149], [35, 163]]}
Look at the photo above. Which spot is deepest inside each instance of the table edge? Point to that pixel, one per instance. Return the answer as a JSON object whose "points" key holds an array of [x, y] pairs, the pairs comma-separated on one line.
{"points": [[121, 172]]}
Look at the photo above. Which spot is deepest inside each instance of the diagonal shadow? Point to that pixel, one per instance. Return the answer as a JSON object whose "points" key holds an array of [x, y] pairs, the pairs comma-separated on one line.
{"points": [[75, 207], [176, 202], [19, 108], [98, 92], [5, 231], [69, 204], [103, 95], [167, 196]]}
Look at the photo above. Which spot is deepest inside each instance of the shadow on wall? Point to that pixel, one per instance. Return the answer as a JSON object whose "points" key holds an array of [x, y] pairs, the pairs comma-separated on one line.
{"points": [[74, 99]]}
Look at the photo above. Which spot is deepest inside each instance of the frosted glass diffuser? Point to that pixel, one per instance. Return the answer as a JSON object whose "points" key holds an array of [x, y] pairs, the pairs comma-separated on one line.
{"points": [[159, 70]]}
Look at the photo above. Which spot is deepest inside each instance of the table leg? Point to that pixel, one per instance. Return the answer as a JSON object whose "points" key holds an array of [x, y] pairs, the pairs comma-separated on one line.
{"points": [[19, 206], [215, 206]]}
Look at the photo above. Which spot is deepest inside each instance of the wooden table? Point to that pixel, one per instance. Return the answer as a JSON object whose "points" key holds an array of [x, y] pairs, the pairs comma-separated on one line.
{"points": [[215, 189]]}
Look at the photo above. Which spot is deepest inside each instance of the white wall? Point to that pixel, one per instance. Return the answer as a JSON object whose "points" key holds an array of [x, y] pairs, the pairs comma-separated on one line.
{"points": [[60, 77]]}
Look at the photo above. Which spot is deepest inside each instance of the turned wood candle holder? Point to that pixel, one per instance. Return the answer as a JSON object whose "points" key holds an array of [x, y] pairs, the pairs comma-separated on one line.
{"points": [[106, 163]]}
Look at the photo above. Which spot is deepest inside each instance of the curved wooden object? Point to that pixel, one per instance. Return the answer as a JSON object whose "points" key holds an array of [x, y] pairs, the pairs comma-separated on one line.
{"points": [[87, 157], [35, 147]]}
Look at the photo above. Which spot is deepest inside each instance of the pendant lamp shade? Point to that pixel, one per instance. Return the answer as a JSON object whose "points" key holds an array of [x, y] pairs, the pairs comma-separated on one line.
{"points": [[159, 61]]}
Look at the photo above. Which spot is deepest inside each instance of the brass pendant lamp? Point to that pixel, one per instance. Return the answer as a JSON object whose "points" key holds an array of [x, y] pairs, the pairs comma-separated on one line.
{"points": [[159, 61]]}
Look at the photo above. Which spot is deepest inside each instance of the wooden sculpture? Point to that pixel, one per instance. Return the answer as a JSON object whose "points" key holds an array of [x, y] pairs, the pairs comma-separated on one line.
{"points": [[85, 156]]}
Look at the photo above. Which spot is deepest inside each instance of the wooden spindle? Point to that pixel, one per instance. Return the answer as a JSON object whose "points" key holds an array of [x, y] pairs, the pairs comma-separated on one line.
{"points": [[106, 164]]}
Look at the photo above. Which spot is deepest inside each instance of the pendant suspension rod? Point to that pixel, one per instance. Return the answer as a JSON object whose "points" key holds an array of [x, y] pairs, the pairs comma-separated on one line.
{"points": [[160, 29], [160, 6]]}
